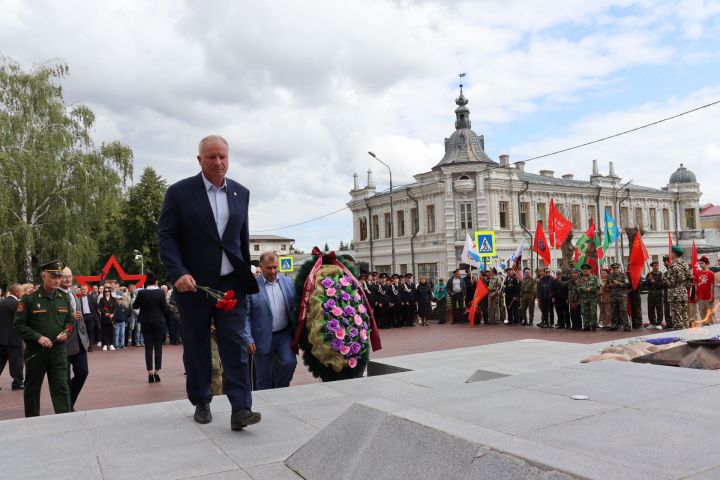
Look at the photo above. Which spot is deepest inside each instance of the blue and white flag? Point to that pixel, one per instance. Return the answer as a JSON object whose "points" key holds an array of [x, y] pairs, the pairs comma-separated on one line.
{"points": [[470, 254]]}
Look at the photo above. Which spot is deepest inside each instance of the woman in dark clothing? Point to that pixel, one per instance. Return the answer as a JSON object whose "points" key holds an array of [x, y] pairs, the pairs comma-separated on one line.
{"points": [[153, 313], [107, 306], [424, 295]]}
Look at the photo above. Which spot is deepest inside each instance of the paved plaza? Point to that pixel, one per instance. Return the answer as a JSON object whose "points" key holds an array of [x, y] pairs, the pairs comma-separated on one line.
{"points": [[475, 403], [119, 378]]}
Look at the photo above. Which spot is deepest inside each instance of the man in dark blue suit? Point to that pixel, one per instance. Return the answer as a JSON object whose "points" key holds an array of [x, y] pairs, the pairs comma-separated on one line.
{"points": [[267, 332], [203, 238]]}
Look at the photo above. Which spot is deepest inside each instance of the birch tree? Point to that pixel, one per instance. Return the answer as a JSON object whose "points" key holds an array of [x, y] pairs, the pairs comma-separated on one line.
{"points": [[58, 182]]}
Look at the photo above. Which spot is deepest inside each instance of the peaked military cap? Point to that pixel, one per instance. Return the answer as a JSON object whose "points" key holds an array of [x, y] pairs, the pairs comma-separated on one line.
{"points": [[653, 263], [586, 266], [395, 275], [615, 265], [54, 267]]}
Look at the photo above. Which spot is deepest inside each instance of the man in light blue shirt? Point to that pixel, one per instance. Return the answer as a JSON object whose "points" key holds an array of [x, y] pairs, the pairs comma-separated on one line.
{"points": [[268, 331]]}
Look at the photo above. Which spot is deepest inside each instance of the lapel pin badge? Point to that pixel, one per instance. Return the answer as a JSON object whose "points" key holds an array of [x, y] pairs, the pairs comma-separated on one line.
{"points": [[235, 193]]}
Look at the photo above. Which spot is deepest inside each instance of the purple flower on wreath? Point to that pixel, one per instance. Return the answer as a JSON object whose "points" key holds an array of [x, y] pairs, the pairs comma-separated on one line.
{"points": [[345, 297], [330, 303], [355, 347], [333, 325], [336, 344], [353, 332], [349, 311], [327, 283]]}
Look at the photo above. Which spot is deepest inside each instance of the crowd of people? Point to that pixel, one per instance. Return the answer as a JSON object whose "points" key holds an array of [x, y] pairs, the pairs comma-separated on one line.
{"points": [[570, 298], [105, 317]]}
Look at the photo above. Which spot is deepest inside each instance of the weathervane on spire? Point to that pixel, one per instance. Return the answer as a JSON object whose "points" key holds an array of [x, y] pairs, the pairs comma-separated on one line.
{"points": [[461, 75]]}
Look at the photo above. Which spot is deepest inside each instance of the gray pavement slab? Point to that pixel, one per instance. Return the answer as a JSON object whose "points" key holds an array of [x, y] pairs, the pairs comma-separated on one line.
{"points": [[641, 422]]}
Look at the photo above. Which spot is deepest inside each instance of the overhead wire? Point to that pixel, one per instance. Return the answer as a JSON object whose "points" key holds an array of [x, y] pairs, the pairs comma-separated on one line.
{"points": [[545, 155]]}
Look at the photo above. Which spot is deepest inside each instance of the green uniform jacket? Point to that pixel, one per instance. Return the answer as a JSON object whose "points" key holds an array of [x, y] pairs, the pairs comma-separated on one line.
{"points": [[42, 314], [620, 290], [593, 284]]}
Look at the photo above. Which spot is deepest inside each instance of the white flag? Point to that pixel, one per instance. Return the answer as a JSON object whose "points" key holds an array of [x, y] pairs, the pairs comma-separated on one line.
{"points": [[469, 254]]}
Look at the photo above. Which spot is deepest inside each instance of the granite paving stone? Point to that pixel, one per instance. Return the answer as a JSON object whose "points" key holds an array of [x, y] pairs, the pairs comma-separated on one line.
{"points": [[665, 444]]}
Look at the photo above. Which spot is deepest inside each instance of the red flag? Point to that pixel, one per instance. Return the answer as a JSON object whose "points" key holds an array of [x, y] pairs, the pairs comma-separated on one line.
{"points": [[693, 258], [558, 226], [480, 292], [638, 257], [669, 248], [540, 245]]}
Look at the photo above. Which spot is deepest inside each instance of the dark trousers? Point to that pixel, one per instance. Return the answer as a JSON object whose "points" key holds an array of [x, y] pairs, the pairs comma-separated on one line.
{"points": [[655, 310], [173, 329], [93, 327], [441, 310], [195, 315], [484, 309], [513, 311], [154, 335], [576, 317], [12, 355], [457, 306], [53, 362], [78, 366], [636, 307], [666, 311], [107, 333], [409, 314], [286, 361], [563, 313], [548, 314]]}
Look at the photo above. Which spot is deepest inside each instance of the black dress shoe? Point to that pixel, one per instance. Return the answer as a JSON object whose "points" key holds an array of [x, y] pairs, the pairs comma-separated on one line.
{"points": [[18, 387], [157, 377], [202, 413], [243, 418], [151, 378]]}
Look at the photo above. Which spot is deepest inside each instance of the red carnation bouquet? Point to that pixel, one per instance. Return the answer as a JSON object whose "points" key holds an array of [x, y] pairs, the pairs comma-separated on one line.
{"points": [[224, 301], [68, 330]]}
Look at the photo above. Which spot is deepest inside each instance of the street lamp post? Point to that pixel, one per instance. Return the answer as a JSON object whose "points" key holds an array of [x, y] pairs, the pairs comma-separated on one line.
{"points": [[139, 256], [392, 213]]}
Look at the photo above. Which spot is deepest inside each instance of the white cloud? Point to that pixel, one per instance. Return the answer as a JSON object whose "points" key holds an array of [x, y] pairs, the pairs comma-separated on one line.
{"points": [[304, 89]]}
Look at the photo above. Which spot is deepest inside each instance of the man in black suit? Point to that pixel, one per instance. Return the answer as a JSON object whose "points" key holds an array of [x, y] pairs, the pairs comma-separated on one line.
{"points": [[11, 345], [203, 239]]}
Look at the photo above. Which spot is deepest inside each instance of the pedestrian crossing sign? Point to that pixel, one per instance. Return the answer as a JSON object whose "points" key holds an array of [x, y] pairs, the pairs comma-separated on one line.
{"points": [[485, 243], [286, 264]]}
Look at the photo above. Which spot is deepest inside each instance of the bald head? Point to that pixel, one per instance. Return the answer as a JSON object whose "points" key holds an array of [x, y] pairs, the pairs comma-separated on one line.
{"points": [[67, 278]]}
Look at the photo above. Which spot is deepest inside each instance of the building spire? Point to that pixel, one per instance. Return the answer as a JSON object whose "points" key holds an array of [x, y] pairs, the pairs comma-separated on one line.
{"points": [[462, 112]]}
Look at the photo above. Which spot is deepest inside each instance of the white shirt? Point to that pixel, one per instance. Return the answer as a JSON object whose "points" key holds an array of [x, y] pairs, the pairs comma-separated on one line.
{"points": [[221, 213], [85, 305], [457, 286], [277, 305]]}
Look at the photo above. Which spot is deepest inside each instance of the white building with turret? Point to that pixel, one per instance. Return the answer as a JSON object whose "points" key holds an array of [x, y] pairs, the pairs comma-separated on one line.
{"points": [[468, 191]]}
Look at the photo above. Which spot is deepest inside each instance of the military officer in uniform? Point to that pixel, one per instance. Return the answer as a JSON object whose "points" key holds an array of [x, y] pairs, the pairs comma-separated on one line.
{"points": [[495, 293], [656, 286], [528, 292], [678, 278], [617, 282], [42, 320], [588, 287]]}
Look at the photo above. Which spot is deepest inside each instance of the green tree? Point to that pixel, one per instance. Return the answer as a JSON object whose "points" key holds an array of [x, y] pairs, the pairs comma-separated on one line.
{"points": [[327, 247], [140, 215], [59, 184]]}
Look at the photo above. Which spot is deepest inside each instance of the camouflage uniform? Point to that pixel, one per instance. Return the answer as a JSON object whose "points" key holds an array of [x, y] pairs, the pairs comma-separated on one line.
{"points": [[656, 285], [589, 299], [678, 279], [574, 303], [527, 299], [618, 300], [495, 289]]}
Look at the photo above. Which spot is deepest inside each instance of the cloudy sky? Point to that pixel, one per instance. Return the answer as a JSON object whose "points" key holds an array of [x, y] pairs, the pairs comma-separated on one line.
{"points": [[303, 89]]}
